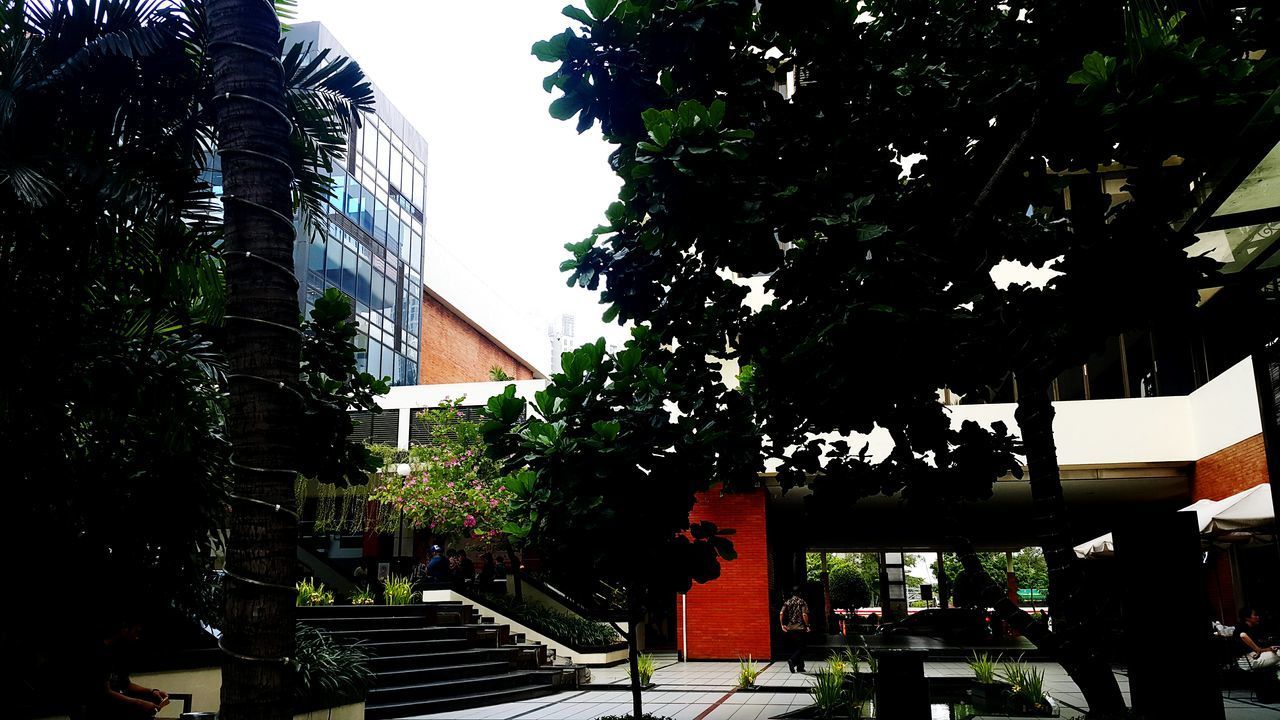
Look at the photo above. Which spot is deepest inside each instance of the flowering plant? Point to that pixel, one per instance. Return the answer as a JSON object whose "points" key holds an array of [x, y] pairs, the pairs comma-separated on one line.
{"points": [[452, 489]]}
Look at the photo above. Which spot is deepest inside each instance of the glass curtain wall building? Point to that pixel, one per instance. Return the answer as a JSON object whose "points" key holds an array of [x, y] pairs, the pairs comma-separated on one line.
{"points": [[372, 247]]}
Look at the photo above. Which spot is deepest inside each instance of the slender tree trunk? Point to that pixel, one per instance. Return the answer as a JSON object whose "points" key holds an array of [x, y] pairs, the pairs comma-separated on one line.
{"points": [[1077, 647], [635, 617], [515, 570], [263, 354]]}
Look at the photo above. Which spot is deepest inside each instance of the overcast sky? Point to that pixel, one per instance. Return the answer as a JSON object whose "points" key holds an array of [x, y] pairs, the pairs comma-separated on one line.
{"points": [[507, 186]]}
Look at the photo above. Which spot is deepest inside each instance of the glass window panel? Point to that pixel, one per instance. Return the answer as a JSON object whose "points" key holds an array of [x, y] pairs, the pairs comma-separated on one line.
{"points": [[897, 592], [893, 574], [364, 283], [384, 155], [380, 220], [1174, 360], [375, 355], [347, 282], [333, 265], [1140, 364], [1071, 384], [1106, 381], [388, 365], [315, 256], [892, 558]]}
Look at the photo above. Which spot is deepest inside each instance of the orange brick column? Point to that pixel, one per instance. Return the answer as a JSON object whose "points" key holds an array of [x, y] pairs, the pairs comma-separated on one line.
{"points": [[730, 616]]}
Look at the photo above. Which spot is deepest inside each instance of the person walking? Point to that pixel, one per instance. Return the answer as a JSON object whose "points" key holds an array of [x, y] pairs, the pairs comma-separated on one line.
{"points": [[794, 618]]}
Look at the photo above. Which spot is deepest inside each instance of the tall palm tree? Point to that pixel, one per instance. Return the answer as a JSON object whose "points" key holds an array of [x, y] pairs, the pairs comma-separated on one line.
{"points": [[263, 350]]}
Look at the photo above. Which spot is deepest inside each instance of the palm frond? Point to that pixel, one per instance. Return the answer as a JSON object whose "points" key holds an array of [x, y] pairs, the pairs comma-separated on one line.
{"points": [[326, 100]]}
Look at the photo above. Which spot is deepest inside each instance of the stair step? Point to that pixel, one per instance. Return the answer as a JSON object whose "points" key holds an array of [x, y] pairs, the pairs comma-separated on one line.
{"points": [[403, 634], [441, 673], [416, 647], [387, 695], [423, 707], [440, 659]]}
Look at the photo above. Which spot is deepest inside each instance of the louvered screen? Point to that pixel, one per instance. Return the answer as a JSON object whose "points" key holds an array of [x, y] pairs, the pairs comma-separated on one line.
{"points": [[420, 430], [361, 426], [382, 428], [386, 427]]}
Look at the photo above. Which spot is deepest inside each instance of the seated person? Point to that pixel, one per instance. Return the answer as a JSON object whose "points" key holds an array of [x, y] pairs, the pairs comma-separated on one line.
{"points": [[111, 695], [1249, 637]]}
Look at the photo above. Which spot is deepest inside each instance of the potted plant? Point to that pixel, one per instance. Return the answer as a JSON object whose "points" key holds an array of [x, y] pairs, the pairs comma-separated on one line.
{"points": [[1026, 691], [988, 692], [362, 596], [748, 671], [645, 669], [313, 593], [397, 590]]}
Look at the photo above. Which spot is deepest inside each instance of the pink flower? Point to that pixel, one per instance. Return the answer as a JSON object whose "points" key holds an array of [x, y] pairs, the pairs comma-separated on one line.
{"points": [[493, 502], [469, 522]]}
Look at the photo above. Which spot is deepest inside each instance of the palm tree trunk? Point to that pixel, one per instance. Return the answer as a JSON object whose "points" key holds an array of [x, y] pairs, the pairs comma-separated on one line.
{"points": [[263, 348], [1078, 650]]}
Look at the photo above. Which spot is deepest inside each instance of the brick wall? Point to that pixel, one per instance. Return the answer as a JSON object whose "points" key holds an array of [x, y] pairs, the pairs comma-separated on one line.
{"points": [[730, 616], [1230, 470], [454, 351]]}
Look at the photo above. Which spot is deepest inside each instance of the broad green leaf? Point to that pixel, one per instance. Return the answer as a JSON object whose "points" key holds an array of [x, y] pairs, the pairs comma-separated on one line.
{"points": [[564, 107], [576, 13], [601, 9]]}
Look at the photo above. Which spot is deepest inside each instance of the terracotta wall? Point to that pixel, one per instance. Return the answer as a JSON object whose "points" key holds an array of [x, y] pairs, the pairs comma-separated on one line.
{"points": [[1230, 470], [730, 617], [454, 351]]}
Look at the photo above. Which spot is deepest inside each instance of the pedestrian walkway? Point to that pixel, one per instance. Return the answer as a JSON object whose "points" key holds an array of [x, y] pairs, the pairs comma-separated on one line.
{"points": [[704, 691]]}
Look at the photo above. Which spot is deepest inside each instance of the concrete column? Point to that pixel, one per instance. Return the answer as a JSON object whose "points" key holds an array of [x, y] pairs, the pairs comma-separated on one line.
{"points": [[1163, 551], [944, 584], [1010, 579], [902, 692]]}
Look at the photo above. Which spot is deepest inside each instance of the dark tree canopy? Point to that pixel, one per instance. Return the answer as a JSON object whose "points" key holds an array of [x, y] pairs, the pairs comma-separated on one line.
{"points": [[877, 160]]}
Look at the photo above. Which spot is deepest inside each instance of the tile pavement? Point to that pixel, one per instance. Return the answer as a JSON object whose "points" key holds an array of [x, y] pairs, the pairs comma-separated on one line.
{"points": [[704, 691]]}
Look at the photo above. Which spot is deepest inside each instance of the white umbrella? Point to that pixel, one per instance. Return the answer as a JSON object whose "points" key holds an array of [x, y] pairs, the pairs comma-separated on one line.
{"points": [[1248, 510], [1100, 546], [1227, 518]]}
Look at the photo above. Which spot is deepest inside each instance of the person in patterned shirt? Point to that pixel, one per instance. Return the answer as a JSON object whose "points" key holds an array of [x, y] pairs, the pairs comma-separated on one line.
{"points": [[794, 618]]}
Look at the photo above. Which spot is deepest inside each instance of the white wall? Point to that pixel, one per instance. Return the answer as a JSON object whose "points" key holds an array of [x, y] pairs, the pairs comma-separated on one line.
{"points": [[1225, 411], [1088, 432]]}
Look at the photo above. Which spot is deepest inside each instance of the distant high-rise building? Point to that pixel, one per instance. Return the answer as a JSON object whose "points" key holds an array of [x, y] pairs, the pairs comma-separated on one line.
{"points": [[560, 339]]}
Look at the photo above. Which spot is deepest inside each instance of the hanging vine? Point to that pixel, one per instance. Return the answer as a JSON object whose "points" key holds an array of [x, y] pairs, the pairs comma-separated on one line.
{"points": [[300, 493], [357, 499], [326, 507]]}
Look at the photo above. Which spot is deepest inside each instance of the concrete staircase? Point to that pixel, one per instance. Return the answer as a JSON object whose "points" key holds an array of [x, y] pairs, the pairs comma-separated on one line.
{"points": [[439, 657]]}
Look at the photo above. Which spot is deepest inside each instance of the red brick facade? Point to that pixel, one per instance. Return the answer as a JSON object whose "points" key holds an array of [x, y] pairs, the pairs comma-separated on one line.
{"points": [[730, 617], [455, 351], [1230, 470]]}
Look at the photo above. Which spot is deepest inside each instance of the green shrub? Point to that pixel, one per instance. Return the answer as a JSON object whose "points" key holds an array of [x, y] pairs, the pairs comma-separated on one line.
{"points": [[568, 628], [313, 593], [327, 673], [362, 596], [397, 590], [1027, 686], [828, 691], [983, 667], [645, 668], [748, 671]]}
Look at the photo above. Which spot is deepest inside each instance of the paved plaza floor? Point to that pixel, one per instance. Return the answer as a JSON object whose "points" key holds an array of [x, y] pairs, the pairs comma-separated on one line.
{"points": [[704, 691]]}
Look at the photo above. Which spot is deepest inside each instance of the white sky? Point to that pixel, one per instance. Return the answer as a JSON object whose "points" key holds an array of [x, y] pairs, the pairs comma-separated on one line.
{"points": [[507, 186]]}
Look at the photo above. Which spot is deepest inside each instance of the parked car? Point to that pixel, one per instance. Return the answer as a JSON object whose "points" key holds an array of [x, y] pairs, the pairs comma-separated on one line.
{"points": [[956, 625]]}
